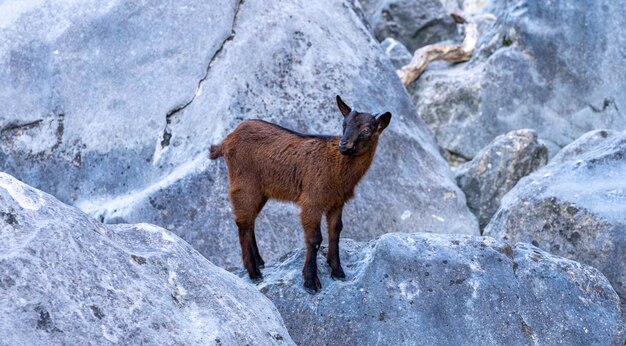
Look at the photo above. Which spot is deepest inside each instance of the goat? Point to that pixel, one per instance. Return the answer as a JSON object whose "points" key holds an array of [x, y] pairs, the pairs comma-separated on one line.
{"points": [[319, 173]]}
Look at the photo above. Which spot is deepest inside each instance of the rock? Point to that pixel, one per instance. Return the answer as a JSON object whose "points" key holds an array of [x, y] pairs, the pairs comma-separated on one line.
{"points": [[544, 66], [497, 168], [414, 23], [126, 98], [469, 6], [68, 279], [447, 290], [575, 206], [396, 52]]}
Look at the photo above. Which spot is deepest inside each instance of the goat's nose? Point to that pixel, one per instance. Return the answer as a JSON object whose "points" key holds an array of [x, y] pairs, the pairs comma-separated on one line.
{"points": [[343, 145]]}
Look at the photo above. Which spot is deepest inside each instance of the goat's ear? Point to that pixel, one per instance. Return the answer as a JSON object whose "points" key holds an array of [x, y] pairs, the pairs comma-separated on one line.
{"points": [[383, 122], [343, 107]]}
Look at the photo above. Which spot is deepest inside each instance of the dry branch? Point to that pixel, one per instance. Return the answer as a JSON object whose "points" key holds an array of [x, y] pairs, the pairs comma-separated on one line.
{"points": [[441, 51]]}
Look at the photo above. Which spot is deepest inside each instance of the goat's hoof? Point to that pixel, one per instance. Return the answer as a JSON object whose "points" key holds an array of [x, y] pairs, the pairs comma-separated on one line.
{"points": [[256, 276], [312, 286], [341, 277], [338, 274]]}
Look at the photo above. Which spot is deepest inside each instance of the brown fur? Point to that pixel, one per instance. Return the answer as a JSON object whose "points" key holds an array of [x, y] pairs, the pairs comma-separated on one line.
{"points": [[266, 161], [216, 151]]}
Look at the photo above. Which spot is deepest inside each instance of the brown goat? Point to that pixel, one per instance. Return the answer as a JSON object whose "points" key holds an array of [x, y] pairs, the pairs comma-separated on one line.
{"points": [[319, 173]]}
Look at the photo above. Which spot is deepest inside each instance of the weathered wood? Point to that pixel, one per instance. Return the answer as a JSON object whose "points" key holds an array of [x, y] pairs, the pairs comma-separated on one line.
{"points": [[440, 51]]}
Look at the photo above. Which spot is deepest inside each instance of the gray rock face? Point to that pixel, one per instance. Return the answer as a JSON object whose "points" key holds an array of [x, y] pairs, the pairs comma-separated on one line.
{"points": [[414, 23], [396, 52], [575, 206], [543, 66], [112, 108], [68, 279], [448, 290], [497, 168]]}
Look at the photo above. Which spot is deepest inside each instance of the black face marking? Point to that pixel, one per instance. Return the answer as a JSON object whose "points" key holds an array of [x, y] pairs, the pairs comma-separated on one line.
{"points": [[358, 129]]}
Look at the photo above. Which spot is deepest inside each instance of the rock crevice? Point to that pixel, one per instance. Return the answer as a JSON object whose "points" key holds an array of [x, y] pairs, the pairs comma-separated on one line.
{"points": [[19, 127], [167, 131]]}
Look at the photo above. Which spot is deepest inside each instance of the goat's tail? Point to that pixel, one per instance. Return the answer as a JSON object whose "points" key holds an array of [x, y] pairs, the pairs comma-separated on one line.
{"points": [[215, 151]]}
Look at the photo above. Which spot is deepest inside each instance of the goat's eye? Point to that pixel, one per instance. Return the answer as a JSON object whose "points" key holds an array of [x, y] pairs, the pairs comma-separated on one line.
{"points": [[366, 131]]}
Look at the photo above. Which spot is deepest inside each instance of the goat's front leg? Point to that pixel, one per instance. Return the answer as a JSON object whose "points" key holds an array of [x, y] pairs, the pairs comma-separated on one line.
{"points": [[311, 219], [333, 216]]}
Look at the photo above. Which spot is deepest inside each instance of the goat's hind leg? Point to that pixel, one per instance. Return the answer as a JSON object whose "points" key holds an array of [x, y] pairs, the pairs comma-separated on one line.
{"points": [[311, 219], [246, 206], [257, 256]]}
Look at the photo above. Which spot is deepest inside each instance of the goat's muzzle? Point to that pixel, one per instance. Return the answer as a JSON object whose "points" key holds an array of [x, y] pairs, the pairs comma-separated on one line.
{"points": [[345, 148]]}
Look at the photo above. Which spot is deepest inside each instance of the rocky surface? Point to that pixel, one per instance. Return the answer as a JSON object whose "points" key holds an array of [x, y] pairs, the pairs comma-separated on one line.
{"points": [[414, 23], [68, 279], [539, 66], [497, 168], [447, 290], [575, 206], [396, 52], [112, 107]]}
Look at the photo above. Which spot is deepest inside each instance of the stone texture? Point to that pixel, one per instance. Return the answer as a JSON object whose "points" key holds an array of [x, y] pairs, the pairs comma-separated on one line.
{"points": [[414, 23], [431, 289], [68, 279], [575, 206], [396, 52], [112, 107], [497, 168], [554, 67]]}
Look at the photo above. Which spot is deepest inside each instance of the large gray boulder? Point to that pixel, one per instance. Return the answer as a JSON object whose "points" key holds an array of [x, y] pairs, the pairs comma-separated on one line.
{"points": [[497, 168], [415, 23], [112, 107], [68, 279], [407, 289], [556, 67], [575, 206]]}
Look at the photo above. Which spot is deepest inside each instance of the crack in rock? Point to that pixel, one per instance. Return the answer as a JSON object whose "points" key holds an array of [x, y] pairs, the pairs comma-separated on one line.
{"points": [[526, 329], [455, 158], [607, 102], [14, 130], [167, 131], [20, 127], [60, 130]]}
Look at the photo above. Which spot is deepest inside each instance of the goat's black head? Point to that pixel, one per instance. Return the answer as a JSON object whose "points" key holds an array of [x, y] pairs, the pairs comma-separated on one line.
{"points": [[360, 130]]}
